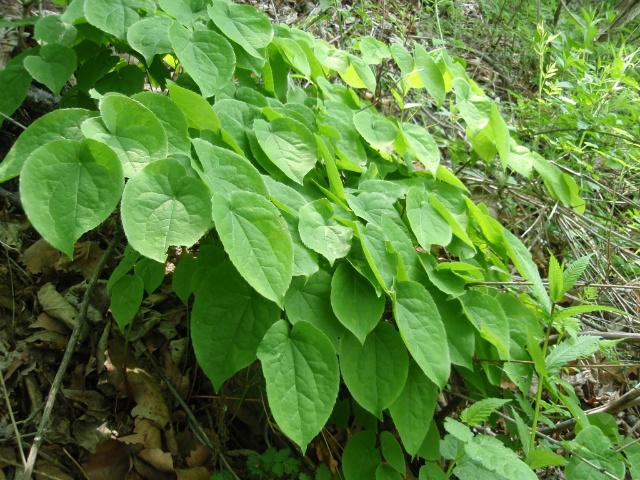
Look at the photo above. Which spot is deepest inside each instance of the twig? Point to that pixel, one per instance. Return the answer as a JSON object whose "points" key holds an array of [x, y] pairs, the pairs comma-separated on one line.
{"points": [[193, 421], [577, 284], [37, 472], [71, 346], [7, 117], [13, 421]]}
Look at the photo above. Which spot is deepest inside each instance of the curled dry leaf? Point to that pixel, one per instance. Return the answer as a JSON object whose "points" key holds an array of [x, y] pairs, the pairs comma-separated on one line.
{"points": [[55, 305]]}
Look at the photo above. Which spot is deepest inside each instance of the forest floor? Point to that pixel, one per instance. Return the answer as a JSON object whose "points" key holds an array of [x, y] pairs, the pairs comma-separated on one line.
{"points": [[115, 416]]}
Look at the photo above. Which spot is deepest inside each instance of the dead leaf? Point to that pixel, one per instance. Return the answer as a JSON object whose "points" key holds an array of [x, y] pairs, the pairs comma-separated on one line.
{"points": [[192, 450], [40, 255], [49, 323], [51, 470], [48, 340], [86, 256], [55, 305], [157, 459], [149, 397], [150, 432], [149, 473], [93, 401], [197, 473], [110, 461], [89, 432]]}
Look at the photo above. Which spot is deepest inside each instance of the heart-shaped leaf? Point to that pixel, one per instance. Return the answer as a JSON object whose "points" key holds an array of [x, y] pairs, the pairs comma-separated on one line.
{"points": [[53, 67], [150, 36], [321, 232]]}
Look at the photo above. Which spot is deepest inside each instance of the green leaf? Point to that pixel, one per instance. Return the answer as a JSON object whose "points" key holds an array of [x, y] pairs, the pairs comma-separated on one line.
{"points": [[309, 300], [574, 271], [126, 298], [487, 316], [51, 29], [15, 81], [305, 260], [355, 302], [162, 206], [289, 145], [487, 457], [228, 321], [597, 448], [543, 458], [182, 276], [256, 237], [185, 11], [375, 129], [479, 412], [115, 16], [57, 125], [225, 171], [556, 282], [569, 350], [131, 130], [172, 118], [243, 24], [521, 258], [375, 372], [387, 472], [560, 315], [151, 272], [200, 114], [373, 51], [422, 145], [360, 458], [207, 56], [392, 451], [427, 224], [150, 36], [53, 66], [302, 375], [69, 188], [321, 232], [413, 410], [422, 330], [429, 74], [457, 229], [431, 471], [126, 264], [359, 74], [458, 430]]}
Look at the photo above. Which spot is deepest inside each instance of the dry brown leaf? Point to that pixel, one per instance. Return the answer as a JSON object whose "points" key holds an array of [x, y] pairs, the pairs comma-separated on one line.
{"points": [[157, 459], [55, 305], [40, 255], [49, 323], [86, 256], [149, 397], [192, 450], [48, 340], [91, 399], [110, 461], [197, 473], [50, 469], [150, 432], [8, 454], [148, 472]]}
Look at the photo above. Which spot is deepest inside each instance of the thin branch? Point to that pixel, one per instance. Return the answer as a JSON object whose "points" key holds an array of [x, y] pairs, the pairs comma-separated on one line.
{"points": [[73, 341], [13, 421], [7, 117], [577, 284]]}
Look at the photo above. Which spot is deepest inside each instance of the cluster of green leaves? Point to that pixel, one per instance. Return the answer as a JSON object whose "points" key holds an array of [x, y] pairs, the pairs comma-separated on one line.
{"points": [[319, 241]]}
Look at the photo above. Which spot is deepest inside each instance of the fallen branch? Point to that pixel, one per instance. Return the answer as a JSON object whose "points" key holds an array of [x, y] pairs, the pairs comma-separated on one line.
{"points": [[73, 341]]}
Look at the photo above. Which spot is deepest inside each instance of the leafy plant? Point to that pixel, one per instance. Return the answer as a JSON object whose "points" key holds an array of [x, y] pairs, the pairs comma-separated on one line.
{"points": [[333, 245]]}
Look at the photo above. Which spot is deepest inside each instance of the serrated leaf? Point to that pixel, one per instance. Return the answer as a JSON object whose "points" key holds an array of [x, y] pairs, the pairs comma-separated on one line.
{"points": [[422, 145], [489, 458], [289, 145], [225, 171], [115, 16], [487, 316], [556, 282], [355, 302], [569, 350], [172, 118], [57, 125], [256, 237], [458, 430], [309, 300], [429, 74], [321, 232], [126, 298], [69, 188], [53, 66], [375, 372], [427, 224], [302, 376], [207, 56], [413, 410], [243, 24], [228, 321], [131, 130], [162, 206], [560, 315], [598, 449], [574, 271], [150, 36], [422, 330], [479, 412], [392, 451]]}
